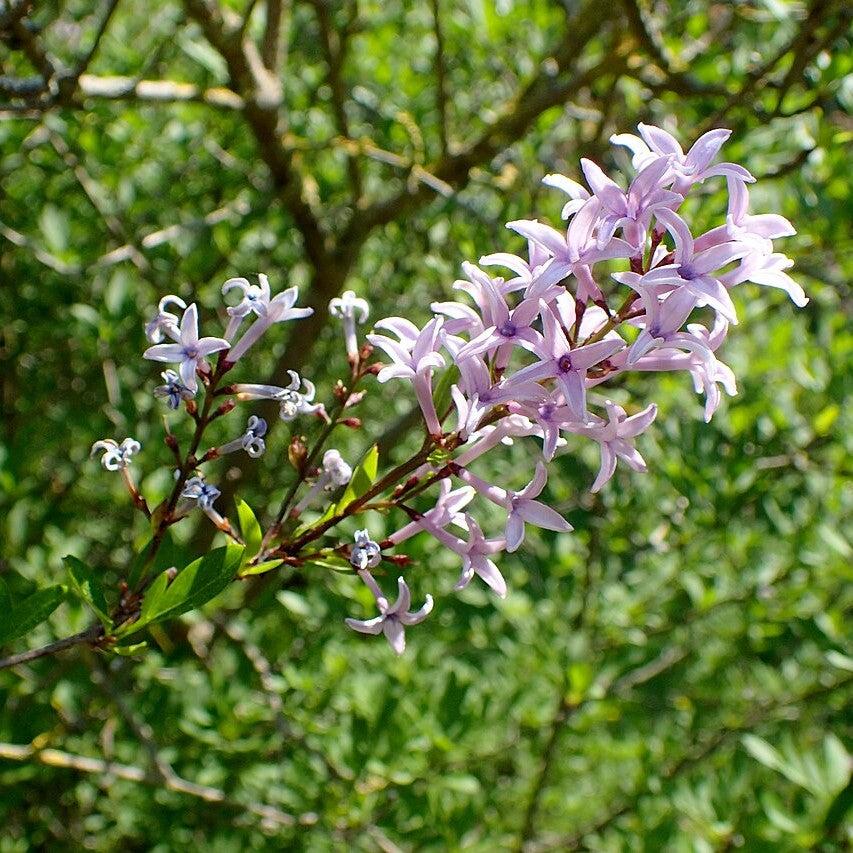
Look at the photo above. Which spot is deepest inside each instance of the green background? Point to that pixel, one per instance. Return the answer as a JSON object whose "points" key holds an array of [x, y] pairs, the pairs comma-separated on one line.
{"points": [[673, 675]]}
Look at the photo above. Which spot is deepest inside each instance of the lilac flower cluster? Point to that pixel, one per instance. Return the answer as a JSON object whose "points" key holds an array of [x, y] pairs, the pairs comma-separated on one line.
{"points": [[530, 345], [623, 286]]}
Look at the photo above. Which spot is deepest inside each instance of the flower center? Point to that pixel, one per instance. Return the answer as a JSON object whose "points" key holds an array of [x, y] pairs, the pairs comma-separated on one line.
{"points": [[508, 329], [564, 363], [190, 353], [687, 272]]}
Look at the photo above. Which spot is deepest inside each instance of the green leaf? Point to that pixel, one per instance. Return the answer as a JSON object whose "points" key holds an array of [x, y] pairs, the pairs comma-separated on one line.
{"points": [[762, 751], [54, 226], [128, 650], [88, 588], [250, 529], [201, 581], [27, 614], [331, 562], [361, 480], [260, 569]]}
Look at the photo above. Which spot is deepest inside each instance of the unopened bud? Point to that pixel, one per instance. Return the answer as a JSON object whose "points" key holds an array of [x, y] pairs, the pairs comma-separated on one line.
{"points": [[213, 453], [297, 451], [226, 407], [340, 391], [355, 399], [352, 423], [171, 441], [365, 352], [398, 559], [374, 368], [192, 408]]}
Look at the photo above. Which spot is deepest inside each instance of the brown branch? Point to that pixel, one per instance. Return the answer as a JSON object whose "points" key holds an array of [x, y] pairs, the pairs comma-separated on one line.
{"points": [[90, 635], [131, 773], [260, 111], [818, 13], [271, 46]]}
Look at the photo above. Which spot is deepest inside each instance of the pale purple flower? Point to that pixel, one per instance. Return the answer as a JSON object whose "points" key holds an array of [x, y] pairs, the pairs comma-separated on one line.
{"points": [[449, 503], [164, 322], [393, 617], [758, 230], [204, 494], [477, 285], [577, 193], [255, 298], [509, 328], [414, 357], [501, 433], [665, 314], [350, 309], [769, 270], [690, 168], [708, 372], [173, 391], [575, 250], [278, 309], [190, 351], [695, 269], [614, 437], [557, 360], [550, 414], [292, 402], [251, 441], [116, 456], [632, 211], [520, 506]]}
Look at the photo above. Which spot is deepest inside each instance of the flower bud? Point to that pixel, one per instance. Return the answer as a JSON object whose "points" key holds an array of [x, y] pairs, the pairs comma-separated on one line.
{"points": [[297, 451]]}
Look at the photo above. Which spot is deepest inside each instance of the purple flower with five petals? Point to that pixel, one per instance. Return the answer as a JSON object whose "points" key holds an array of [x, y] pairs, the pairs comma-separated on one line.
{"points": [[392, 617], [190, 351], [614, 438], [557, 360], [414, 357]]}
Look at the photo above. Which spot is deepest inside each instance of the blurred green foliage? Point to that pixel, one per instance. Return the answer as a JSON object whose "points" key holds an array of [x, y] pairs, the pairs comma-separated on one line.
{"points": [[675, 675]]}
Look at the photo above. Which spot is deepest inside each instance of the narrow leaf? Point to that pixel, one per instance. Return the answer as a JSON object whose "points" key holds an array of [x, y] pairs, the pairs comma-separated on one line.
{"points": [[260, 569], [200, 581], [250, 529], [30, 612], [88, 587]]}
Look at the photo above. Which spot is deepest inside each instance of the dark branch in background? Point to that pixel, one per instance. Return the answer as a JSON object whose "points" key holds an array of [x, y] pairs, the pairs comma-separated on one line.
{"points": [[89, 636], [440, 69], [271, 47], [86, 61], [334, 42]]}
